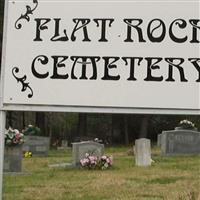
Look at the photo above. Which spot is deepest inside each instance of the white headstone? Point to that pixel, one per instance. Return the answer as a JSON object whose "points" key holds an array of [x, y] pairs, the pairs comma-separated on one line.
{"points": [[143, 152]]}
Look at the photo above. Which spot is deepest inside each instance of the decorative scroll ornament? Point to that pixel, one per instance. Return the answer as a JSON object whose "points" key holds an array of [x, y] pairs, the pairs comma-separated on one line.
{"points": [[29, 11], [22, 80]]}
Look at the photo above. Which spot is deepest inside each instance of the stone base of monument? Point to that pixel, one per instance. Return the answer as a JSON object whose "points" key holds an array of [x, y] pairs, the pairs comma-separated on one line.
{"points": [[13, 159], [180, 142], [143, 152], [61, 165], [38, 145]]}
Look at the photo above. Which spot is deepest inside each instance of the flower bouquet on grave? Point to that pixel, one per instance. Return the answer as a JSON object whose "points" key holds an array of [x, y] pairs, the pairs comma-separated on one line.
{"points": [[13, 137], [105, 162], [186, 124], [13, 150], [89, 162], [94, 162]]}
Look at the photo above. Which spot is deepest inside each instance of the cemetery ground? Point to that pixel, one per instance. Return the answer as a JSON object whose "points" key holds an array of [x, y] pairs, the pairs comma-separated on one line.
{"points": [[169, 178]]}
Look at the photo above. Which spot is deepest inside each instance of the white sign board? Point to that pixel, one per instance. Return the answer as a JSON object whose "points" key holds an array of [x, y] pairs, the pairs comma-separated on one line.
{"points": [[102, 54]]}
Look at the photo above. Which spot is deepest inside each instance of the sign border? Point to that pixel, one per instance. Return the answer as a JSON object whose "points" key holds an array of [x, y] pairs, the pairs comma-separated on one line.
{"points": [[49, 108], [87, 109]]}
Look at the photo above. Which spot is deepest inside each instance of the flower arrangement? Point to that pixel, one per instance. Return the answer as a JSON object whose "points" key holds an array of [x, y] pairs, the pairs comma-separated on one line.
{"points": [[28, 154], [13, 137], [90, 161], [32, 130], [186, 124], [105, 162], [94, 162]]}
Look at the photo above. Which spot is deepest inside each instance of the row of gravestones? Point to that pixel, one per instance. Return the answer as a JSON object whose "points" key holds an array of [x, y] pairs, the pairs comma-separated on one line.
{"points": [[79, 150], [142, 152], [172, 142]]}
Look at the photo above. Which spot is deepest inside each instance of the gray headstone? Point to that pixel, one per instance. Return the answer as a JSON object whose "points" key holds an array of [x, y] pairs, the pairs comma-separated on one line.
{"points": [[177, 142], [13, 159], [159, 140], [64, 143], [143, 152], [79, 150], [38, 145]]}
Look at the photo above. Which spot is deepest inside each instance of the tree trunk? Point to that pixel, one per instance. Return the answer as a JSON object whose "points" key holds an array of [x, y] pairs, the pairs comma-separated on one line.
{"points": [[82, 124], [10, 123], [144, 127], [40, 121], [112, 129], [126, 129], [23, 120]]}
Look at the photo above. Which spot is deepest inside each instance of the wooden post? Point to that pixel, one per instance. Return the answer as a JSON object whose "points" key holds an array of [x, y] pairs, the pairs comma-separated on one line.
{"points": [[2, 131]]}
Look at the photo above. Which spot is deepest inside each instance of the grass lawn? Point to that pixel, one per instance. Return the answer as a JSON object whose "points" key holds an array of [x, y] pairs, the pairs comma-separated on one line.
{"points": [[170, 178]]}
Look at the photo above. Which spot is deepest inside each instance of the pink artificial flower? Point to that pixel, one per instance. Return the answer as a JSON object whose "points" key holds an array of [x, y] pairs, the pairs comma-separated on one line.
{"points": [[14, 141], [92, 158], [108, 160], [82, 162], [111, 160], [17, 136], [16, 131]]}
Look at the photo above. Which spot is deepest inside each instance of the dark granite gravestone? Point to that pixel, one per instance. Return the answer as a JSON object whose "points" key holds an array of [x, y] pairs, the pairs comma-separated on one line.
{"points": [[177, 142], [38, 145], [13, 159], [79, 149]]}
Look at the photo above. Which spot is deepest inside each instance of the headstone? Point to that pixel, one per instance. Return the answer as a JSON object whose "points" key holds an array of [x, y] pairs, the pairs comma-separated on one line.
{"points": [[79, 150], [178, 142], [38, 145], [13, 159], [159, 140], [143, 152], [64, 145]]}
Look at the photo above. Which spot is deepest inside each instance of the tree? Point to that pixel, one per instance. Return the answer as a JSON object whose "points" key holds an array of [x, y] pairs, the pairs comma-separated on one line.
{"points": [[40, 121], [82, 124]]}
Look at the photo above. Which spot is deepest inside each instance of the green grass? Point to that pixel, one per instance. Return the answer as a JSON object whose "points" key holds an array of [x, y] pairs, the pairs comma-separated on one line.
{"points": [[169, 178]]}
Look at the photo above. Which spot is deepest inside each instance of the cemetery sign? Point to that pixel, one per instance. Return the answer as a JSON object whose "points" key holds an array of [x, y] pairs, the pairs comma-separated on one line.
{"points": [[108, 55]]}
